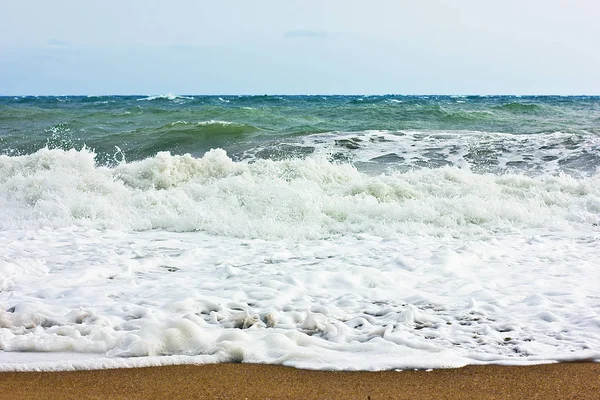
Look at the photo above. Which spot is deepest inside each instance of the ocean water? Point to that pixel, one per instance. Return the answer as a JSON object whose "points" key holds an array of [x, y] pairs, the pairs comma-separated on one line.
{"points": [[326, 232]]}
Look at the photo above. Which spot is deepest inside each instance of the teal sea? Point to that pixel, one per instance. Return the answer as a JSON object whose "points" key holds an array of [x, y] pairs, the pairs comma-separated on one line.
{"points": [[528, 130]]}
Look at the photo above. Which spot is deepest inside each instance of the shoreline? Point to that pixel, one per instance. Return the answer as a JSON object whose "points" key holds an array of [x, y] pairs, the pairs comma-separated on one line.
{"points": [[579, 380]]}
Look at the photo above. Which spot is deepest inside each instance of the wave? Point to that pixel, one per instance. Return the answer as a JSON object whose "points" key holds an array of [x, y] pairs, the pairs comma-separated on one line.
{"points": [[214, 126], [178, 137], [521, 108], [168, 96], [299, 198], [467, 116], [183, 132]]}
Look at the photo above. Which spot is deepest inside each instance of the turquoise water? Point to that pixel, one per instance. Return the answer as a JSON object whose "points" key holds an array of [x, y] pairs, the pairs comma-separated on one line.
{"points": [[248, 127]]}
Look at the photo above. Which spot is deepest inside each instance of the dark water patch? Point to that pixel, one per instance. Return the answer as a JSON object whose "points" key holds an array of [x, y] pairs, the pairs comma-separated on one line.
{"points": [[350, 144], [516, 164], [283, 152], [339, 157], [391, 158], [586, 162], [549, 158], [483, 157], [382, 139]]}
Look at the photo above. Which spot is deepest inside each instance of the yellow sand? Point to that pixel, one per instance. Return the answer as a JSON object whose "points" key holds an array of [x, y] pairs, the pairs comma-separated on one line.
{"points": [[251, 381]]}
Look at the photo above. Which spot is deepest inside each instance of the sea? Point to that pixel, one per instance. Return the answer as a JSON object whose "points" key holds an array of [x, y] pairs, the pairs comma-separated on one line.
{"points": [[319, 232]]}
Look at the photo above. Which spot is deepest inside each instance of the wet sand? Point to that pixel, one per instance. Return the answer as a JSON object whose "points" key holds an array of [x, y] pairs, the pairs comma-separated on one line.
{"points": [[252, 381]]}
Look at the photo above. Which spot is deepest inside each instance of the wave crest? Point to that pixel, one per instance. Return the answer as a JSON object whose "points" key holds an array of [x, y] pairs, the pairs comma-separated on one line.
{"points": [[168, 96]]}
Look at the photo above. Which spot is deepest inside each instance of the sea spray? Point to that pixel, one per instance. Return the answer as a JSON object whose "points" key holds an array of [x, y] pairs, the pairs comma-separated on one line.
{"points": [[297, 198]]}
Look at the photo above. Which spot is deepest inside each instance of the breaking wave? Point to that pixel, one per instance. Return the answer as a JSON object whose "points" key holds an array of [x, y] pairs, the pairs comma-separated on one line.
{"points": [[296, 198]]}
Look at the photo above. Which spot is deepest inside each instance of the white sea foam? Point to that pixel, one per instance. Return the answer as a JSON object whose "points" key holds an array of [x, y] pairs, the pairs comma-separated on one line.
{"points": [[215, 122], [168, 96], [202, 123], [498, 153], [301, 198], [302, 262]]}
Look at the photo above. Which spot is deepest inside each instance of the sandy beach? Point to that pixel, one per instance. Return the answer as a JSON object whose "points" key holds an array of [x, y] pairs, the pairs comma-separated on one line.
{"points": [[252, 381]]}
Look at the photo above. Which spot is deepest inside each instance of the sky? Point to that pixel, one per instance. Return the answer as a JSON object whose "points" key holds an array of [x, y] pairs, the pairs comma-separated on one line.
{"points": [[63, 47]]}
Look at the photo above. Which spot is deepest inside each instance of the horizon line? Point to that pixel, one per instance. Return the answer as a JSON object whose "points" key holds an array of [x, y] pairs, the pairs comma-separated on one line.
{"points": [[301, 94]]}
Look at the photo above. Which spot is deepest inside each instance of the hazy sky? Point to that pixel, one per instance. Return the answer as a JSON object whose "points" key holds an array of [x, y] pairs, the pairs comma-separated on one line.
{"points": [[299, 47]]}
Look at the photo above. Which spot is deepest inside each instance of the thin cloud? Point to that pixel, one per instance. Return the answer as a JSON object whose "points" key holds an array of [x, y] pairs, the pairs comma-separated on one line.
{"points": [[306, 33], [57, 43]]}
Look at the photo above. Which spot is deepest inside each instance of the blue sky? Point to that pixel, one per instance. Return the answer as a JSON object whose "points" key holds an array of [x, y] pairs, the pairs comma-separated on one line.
{"points": [[299, 47]]}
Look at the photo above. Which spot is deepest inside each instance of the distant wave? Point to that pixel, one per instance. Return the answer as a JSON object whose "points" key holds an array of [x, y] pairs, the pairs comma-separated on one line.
{"points": [[212, 127], [519, 107], [168, 96]]}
